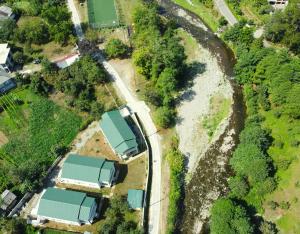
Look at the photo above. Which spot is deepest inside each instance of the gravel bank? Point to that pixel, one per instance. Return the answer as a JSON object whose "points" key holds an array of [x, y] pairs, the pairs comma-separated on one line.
{"points": [[195, 103]]}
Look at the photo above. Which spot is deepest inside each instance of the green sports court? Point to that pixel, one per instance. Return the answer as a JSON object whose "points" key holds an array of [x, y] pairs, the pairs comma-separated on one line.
{"points": [[102, 13]]}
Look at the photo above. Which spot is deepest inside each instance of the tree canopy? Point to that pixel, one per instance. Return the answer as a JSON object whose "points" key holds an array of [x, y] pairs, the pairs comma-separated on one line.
{"points": [[229, 217]]}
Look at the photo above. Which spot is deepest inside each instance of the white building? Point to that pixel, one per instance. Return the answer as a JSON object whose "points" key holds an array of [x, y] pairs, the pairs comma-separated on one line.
{"points": [[66, 206], [93, 172], [6, 61], [6, 12], [278, 4]]}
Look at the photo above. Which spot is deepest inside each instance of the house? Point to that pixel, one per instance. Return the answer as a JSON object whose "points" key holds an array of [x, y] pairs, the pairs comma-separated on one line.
{"points": [[135, 199], [8, 200], [6, 61], [278, 4], [6, 13], [6, 82], [118, 134], [65, 206], [88, 171]]}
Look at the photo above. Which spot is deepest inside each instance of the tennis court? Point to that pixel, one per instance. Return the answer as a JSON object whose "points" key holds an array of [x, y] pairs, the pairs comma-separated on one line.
{"points": [[102, 13]]}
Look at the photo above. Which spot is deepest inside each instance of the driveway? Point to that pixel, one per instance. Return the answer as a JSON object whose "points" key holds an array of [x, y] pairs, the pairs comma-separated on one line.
{"points": [[143, 111], [225, 11]]}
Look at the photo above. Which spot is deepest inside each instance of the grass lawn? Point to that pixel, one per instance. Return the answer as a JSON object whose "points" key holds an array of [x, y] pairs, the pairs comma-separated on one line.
{"points": [[132, 176], [288, 189], [52, 231], [125, 9], [208, 15], [219, 110], [82, 10], [52, 50], [252, 13], [34, 127], [190, 44]]}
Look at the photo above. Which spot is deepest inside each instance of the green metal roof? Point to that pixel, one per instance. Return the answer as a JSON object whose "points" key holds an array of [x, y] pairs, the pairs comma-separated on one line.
{"points": [[63, 204], [87, 169], [86, 208], [106, 171], [117, 132], [135, 198]]}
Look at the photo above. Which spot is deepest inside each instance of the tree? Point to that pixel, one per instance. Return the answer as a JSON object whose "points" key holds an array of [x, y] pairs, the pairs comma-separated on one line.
{"points": [[254, 134], [59, 21], [238, 186], [97, 109], [283, 27], [229, 217], [39, 85], [239, 34], [222, 21], [48, 66], [268, 228], [248, 160], [7, 27], [34, 31], [19, 57], [115, 48], [292, 102], [164, 117], [166, 84]]}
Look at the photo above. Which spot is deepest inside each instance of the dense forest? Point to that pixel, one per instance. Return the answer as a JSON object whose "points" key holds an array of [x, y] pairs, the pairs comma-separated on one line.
{"points": [[36, 23], [50, 20], [160, 58], [271, 84]]}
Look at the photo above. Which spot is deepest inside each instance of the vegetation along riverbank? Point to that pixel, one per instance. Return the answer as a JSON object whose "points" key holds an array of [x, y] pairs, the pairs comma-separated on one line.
{"points": [[264, 189]]}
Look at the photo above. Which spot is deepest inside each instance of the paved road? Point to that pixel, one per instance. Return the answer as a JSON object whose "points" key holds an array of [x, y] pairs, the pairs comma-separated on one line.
{"points": [[143, 112], [75, 19], [225, 11]]}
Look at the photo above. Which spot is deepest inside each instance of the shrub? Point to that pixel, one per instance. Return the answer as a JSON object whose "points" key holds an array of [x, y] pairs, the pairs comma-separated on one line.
{"points": [[295, 143], [164, 117], [222, 21], [277, 114], [273, 205], [115, 48], [279, 144], [283, 164], [176, 163], [284, 205]]}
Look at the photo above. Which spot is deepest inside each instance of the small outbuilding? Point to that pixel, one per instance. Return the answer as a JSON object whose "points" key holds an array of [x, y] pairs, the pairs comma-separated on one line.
{"points": [[6, 82], [118, 134], [8, 200], [88, 171], [6, 13], [6, 60], [135, 199], [66, 206]]}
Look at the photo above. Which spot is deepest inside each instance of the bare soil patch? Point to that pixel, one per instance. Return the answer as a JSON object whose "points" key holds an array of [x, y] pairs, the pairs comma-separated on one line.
{"points": [[132, 176], [97, 146], [3, 139]]}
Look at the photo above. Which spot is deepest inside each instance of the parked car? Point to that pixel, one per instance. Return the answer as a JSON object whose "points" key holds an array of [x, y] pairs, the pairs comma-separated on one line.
{"points": [[37, 61]]}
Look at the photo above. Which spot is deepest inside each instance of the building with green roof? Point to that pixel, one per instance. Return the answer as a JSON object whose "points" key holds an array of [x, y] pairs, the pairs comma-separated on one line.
{"points": [[135, 199], [88, 171], [118, 134], [66, 206]]}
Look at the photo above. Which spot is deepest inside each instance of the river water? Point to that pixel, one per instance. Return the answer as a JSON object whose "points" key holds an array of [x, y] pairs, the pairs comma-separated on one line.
{"points": [[209, 180]]}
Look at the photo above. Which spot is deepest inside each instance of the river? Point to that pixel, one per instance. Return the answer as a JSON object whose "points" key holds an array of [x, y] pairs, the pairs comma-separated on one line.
{"points": [[209, 179]]}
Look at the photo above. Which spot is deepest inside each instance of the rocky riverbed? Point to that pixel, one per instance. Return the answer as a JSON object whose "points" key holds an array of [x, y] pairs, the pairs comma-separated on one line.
{"points": [[209, 162]]}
